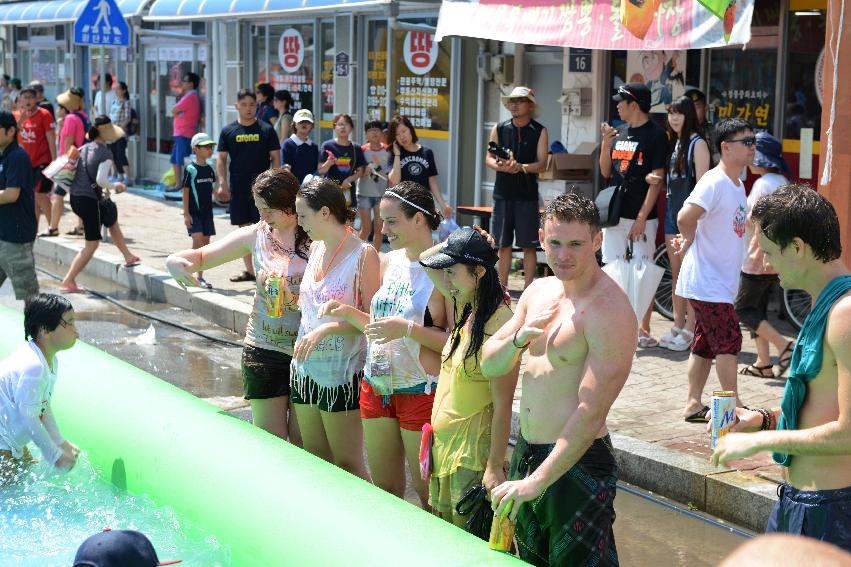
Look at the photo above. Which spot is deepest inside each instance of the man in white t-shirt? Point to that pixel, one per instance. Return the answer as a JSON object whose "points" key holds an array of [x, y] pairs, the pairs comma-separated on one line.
{"points": [[712, 230], [27, 378]]}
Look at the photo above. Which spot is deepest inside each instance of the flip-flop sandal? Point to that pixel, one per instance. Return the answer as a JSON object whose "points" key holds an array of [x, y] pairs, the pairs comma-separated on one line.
{"points": [[699, 416], [785, 361], [75, 289], [76, 231], [758, 371], [134, 261], [646, 341], [244, 276], [50, 232]]}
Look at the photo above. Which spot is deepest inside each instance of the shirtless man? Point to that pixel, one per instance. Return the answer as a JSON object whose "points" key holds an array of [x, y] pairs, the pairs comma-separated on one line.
{"points": [[810, 433], [581, 334]]}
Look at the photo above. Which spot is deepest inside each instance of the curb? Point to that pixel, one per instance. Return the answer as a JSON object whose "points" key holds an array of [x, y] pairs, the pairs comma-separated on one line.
{"points": [[734, 496]]}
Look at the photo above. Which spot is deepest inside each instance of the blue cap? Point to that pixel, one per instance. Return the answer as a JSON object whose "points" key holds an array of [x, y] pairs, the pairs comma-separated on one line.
{"points": [[118, 548], [769, 153]]}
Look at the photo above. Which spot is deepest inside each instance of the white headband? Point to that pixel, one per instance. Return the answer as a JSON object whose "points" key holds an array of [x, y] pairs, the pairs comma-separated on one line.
{"points": [[404, 200]]}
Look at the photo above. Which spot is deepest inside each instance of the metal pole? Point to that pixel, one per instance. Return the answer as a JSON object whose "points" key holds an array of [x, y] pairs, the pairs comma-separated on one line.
{"points": [[102, 78]]}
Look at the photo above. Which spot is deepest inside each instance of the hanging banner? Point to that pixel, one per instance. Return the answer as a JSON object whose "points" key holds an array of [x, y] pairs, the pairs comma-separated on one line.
{"points": [[601, 24]]}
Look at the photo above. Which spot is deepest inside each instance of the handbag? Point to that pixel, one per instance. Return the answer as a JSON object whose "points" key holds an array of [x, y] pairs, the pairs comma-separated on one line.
{"points": [[108, 211], [610, 200], [63, 169], [476, 507]]}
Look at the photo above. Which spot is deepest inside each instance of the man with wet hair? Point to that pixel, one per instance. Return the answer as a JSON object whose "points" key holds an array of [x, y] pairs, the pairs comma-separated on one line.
{"points": [[27, 378], [810, 433], [580, 333]]}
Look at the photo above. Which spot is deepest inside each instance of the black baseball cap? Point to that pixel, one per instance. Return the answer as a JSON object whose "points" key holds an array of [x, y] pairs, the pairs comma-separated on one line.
{"points": [[7, 119], [634, 92], [118, 548], [695, 94], [464, 246]]}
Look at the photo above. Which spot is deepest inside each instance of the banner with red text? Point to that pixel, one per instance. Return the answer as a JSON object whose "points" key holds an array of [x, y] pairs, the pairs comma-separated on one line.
{"points": [[601, 24]]}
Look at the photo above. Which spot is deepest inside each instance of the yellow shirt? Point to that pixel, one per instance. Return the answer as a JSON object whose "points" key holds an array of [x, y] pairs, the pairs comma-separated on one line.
{"points": [[463, 409]]}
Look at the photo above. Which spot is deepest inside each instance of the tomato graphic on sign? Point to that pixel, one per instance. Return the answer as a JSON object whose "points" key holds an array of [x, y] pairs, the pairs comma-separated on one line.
{"points": [[420, 52], [291, 50]]}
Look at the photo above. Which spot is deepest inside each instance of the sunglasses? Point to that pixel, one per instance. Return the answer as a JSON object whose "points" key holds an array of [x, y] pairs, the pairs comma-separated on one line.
{"points": [[625, 91], [517, 100], [748, 142]]}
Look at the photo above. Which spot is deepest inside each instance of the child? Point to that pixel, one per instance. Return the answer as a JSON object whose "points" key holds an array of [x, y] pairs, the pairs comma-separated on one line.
{"points": [[344, 161], [298, 152], [373, 185], [27, 378], [198, 179]]}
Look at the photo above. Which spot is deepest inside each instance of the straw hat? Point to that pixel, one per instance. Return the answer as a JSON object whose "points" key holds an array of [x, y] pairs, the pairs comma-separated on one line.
{"points": [[519, 92], [109, 133], [70, 101]]}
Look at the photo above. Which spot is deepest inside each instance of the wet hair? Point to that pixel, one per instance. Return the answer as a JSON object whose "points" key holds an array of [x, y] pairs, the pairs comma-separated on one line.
{"points": [[791, 211], [404, 121], [243, 93], [489, 295], [573, 207], [266, 90], [93, 132], [728, 128], [373, 124], [322, 192], [345, 117], [418, 195], [192, 78], [284, 96], [278, 189], [685, 106], [44, 311]]}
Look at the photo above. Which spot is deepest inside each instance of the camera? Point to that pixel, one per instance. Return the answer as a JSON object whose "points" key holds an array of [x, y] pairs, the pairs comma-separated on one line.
{"points": [[374, 174], [498, 151]]}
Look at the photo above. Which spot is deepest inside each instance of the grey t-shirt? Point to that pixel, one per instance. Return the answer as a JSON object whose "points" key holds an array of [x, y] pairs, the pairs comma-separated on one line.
{"points": [[91, 156]]}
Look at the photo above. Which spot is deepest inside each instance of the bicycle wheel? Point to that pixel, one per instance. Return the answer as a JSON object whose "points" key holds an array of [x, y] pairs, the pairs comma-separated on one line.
{"points": [[663, 301], [797, 304]]}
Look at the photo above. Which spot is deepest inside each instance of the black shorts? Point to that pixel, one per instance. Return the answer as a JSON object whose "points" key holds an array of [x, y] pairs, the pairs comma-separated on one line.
{"points": [[515, 221], [242, 208], [203, 224], [41, 183], [341, 398], [265, 373], [119, 154], [752, 301], [89, 211]]}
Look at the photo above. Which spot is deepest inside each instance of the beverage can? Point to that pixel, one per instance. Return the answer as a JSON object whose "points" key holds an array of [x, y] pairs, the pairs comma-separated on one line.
{"points": [[274, 296], [502, 531], [723, 414]]}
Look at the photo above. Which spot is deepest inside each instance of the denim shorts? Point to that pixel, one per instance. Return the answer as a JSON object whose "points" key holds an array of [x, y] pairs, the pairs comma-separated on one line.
{"points": [[366, 203]]}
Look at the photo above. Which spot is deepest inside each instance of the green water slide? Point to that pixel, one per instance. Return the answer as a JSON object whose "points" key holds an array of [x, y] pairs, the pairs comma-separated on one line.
{"points": [[271, 503]]}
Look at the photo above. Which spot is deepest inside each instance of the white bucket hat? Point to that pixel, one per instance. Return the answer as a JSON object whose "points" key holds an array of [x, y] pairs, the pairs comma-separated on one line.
{"points": [[519, 92]]}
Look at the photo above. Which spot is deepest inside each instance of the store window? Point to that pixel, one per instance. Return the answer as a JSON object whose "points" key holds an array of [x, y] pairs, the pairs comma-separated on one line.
{"points": [[421, 71], [327, 79], [286, 62], [804, 77], [376, 71]]}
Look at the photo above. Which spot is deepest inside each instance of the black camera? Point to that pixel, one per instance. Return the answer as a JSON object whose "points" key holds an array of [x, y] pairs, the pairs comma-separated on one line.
{"points": [[498, 151], [374, 175]]}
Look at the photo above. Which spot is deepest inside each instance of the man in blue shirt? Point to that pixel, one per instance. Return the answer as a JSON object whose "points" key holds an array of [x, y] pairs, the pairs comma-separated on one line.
{"points": [[17, 212]]}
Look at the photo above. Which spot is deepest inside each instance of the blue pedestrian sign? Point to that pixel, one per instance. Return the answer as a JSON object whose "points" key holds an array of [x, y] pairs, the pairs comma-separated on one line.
{"points": [[101, 23]]}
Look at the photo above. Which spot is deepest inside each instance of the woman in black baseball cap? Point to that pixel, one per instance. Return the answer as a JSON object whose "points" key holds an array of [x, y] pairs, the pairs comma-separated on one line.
{"points": [[471, 417]]}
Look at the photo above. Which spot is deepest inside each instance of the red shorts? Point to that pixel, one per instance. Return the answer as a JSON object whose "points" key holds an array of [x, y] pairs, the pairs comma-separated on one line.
{"points": [[412, 410], [716, 329]]}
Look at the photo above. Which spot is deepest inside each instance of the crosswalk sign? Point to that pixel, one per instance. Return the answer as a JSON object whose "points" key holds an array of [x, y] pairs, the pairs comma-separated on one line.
{"points": [[101, 23]]}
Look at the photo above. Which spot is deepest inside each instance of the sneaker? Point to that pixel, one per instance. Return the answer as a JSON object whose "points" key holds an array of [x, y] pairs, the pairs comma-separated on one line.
{"points": [[678, 344]]}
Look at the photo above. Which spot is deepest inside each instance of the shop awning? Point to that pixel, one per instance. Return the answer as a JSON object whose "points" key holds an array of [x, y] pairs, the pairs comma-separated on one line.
{"points": [[165, 10], [601, 24], [57, 11]]}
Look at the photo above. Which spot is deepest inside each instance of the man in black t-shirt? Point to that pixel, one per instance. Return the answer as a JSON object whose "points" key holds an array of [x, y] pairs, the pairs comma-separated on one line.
{"points": [[17, 212], [252, 147], [516, 215], [634, 155]]}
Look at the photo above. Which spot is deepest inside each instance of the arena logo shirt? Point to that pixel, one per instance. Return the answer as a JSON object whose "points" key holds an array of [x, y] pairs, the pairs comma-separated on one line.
{"points": [[249, 150]]}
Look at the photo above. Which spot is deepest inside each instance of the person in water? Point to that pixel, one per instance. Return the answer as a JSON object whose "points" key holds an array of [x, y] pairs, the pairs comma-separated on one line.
{"points": [[810, 433], [27, 378]]}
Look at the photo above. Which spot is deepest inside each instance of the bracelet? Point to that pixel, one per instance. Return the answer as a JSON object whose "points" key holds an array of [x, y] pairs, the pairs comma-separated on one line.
{"points": [[514, 341], [523, 167], [410, 328], [766, 418]]}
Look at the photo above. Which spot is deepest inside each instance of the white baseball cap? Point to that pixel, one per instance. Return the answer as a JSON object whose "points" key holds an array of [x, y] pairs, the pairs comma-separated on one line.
{"points": [[202, 139], [302, 116]]}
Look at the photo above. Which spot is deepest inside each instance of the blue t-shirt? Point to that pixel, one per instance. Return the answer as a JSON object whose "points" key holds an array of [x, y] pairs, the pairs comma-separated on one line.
{"points": [[302, 157], [17, 220], [349, 158], [200, 180]]}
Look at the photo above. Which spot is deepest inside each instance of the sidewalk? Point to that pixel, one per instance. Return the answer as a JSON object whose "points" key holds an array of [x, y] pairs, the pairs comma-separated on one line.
{"points": [[657, 449]]}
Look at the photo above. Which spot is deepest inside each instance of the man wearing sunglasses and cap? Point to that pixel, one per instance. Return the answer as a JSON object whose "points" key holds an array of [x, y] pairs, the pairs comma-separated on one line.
{"points": [[515, 192], [711, 240], [631, 156]]}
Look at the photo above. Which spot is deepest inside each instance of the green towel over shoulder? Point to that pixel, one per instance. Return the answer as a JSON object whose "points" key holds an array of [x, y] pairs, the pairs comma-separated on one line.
{"points": [[807, 358]]}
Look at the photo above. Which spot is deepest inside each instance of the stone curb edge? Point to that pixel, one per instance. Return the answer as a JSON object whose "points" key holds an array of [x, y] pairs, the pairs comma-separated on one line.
{"points": [[731, 495]]}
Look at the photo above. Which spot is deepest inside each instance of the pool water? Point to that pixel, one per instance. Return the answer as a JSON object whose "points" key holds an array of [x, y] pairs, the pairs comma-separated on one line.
{"points": [[44, 519]]}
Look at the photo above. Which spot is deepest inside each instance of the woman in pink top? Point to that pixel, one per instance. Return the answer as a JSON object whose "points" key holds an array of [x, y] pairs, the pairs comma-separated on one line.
{"points": [[72, 134]]}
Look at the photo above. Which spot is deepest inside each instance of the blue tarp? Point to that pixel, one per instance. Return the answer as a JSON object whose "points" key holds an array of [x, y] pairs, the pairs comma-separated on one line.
{"points": [[203, 9], [57, 11]]}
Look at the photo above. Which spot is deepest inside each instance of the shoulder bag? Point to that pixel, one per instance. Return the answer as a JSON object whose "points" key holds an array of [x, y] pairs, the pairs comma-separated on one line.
{"points": [[610, 200]]}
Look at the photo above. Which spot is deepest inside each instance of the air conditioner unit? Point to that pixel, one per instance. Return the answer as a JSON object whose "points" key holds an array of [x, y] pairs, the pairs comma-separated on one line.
{"points": [[502, 67]]}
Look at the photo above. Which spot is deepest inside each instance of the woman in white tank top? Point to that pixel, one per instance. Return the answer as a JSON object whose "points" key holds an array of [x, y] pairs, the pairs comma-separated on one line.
{"points": [[406, 332], [329, 353], [279, 250]]}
